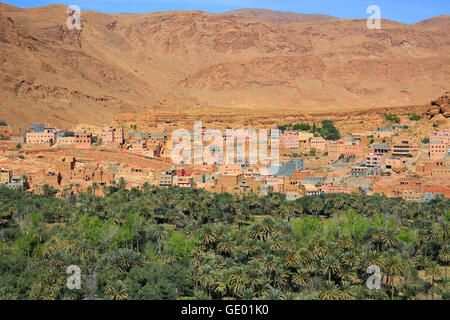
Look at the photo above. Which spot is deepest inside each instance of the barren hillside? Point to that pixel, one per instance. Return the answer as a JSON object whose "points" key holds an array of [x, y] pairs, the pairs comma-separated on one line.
{"points": [[178, 60], [278, 17]]}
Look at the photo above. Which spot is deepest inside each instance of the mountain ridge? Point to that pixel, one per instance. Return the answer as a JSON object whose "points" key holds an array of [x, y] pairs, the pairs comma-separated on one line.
{"points": [[179, 60], [278, 17]]}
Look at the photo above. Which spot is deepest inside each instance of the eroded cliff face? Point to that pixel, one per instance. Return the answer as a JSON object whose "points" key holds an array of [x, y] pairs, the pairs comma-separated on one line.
{"points": [[179, 60], [434, 116], [439, 106]]}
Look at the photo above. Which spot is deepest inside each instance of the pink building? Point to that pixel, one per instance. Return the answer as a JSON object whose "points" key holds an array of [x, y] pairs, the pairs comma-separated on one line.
{"points": [[289, 139], [182, 182], [83, 140], [443, 136], [332, 187], [112, 135], [394, 163], [48, 136], [66, 140], [139, 147], [207, 168], [336, 149], [352, 150], [251, 171], [375, 159], [318, 143], [438, 150], [275, 183], [79, 140], [384, 132], [230, 169], [404, 148]]}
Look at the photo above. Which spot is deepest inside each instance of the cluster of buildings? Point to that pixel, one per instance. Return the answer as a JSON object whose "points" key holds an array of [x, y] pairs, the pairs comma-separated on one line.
{"points": [[41, 134], [390, 165], [381, 161]]}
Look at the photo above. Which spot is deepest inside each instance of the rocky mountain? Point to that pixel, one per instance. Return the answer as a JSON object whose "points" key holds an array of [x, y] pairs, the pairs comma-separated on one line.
{"points": [[278, 17], [180, 60]]}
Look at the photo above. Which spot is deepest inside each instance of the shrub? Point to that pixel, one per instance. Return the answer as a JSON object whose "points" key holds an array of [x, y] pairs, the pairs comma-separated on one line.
{"points": [[392, 118]]}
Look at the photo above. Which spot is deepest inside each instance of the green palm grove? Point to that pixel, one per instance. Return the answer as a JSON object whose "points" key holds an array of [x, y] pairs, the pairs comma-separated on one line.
{"points": [[190, 244]]}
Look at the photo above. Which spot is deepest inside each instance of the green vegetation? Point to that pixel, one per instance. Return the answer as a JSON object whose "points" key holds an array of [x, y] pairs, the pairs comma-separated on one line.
{"points": [[296, 127], [294, 155], [328, 131], [391, 118], [426, 140], [178, 243], [415, 117], [302, 127], [96, 140]]}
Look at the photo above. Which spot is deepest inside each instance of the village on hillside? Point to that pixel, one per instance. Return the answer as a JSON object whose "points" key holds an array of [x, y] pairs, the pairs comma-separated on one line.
{"points": [[313, 160]]}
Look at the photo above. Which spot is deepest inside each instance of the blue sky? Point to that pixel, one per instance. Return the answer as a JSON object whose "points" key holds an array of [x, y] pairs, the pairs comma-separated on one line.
{"points": [[406, 11]]}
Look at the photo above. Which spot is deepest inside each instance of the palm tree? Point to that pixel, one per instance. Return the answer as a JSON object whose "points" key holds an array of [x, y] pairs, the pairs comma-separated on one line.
{"points": [[301, 278], [330, 291], [426, 234], [116, 291], [304, 256], [267, 226], [286, 211], [209, 237], [160, 234], [394, 267], [377, 237], [222, 283], [226, 246], [317, 249], [433, 270], [316, 206], [273, 294], [241, 221], [389, 239], [346, 292], [247, 294], [330, 265], [270, 266], [290, 261], [444, 257], [95, 187], [237, 283]]}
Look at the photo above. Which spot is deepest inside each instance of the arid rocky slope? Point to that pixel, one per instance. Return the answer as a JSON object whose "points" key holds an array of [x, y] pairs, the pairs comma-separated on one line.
{"points": [[278, 17], [179, 60]]}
